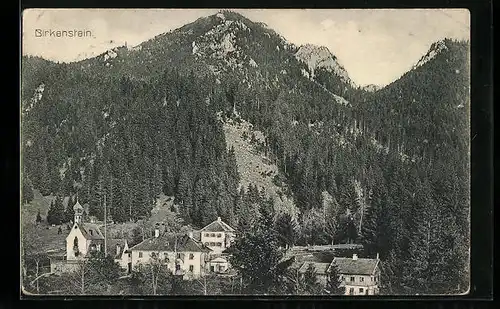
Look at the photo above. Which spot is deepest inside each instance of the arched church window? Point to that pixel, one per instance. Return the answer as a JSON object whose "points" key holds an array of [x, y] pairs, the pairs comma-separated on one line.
{"points": [[75, 246]]}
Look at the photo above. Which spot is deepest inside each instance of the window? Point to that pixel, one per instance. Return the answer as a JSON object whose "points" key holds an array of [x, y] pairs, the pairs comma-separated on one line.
{"points": [[153, 254], [219, 244], [373, 279], [352, 279], [191, 268], [140, 254], [178, 255], [191, 256], [361, 290], [351, 291], [212, 235], [361, 279], [341, 277], [91, 232], [177, 267], [219, 235], [207, 235]]}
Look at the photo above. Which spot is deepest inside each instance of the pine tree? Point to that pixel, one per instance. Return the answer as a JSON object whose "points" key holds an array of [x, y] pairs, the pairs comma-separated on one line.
{"points": [[27, 190], [55, 214], [257, 257], [333, 283], [376, 229], [69, 213], [332, 209], [44, 181], [286, 227], [311, 281]]}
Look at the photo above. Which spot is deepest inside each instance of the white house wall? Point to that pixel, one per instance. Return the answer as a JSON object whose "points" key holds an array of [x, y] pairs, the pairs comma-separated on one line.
{"points": [[198, 261]]}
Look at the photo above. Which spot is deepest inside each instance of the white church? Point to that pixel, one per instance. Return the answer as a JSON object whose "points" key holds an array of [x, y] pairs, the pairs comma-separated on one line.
{"points": [[85, 238]]}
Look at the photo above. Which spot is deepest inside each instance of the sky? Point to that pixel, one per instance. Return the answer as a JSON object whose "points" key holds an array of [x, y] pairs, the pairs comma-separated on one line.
{"points": [[374, 46]]}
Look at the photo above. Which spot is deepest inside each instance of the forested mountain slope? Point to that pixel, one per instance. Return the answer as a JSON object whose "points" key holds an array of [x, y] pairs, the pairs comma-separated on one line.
{"points": [[388, 168]]}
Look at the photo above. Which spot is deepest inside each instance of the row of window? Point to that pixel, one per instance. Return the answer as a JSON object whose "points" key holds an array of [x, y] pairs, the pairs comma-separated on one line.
{"points": [[361, 290], [178, 267], [213, 235], [213, 244], [361, 279], [153, 254]]}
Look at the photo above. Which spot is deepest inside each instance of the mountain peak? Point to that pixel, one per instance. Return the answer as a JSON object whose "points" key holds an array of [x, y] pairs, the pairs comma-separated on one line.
{"points": [[371, 88], [434, 50], [320, 57]]}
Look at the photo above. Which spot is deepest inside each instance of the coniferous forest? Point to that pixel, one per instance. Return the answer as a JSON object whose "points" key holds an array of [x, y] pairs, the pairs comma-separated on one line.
{"points": [[389, 170]]}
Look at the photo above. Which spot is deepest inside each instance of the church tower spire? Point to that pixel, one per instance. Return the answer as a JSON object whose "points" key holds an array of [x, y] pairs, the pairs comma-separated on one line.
{"points": [[78, 211]]}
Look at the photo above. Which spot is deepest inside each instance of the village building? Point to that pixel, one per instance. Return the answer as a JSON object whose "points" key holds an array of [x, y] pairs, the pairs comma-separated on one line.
{"points": [[218, 236], [83, 239], [183, 255], [360, 276], [219, 264]]}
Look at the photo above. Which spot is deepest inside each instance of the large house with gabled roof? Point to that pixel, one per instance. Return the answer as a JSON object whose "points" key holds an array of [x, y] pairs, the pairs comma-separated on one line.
{"points": [[183, 255], [360, 276], [217, 236]]}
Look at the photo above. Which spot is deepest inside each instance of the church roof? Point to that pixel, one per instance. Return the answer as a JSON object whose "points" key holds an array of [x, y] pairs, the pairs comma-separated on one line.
{"points": [[90, 231], [217, 226], [171, 242], [321, 268]]}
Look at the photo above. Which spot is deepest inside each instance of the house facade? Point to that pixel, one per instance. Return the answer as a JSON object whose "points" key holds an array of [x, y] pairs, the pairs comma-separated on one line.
{"points": [[360, 276], [218, 236], [182, 254]]}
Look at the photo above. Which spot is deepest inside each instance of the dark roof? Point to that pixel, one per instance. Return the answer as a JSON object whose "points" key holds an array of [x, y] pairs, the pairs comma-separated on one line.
{"points": [[217, 226], [360, 266], [111, 247], [90, 231], [321, 268], [171, 242]]}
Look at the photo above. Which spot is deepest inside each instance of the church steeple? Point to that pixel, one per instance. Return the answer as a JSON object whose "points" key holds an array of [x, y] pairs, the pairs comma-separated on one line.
{"points": [[78, 211]]}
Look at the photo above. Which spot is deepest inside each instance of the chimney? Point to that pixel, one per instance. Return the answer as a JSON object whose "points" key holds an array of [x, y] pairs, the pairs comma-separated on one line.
{"points": [[377, 256], [218, 219], [157, 233], [190, 234], [118, 250], [354, 257]]}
